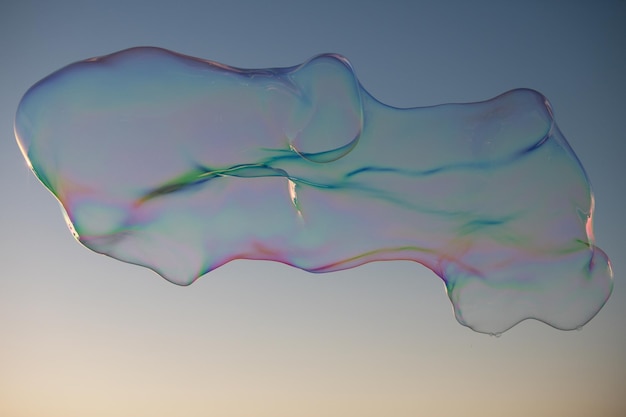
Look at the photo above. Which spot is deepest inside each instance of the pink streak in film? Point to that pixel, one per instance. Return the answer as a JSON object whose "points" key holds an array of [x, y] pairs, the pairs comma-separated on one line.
{"points": [[180, 165]]}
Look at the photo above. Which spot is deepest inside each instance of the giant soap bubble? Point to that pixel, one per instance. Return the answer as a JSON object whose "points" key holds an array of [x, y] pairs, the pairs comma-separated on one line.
{"points": [[180, 165]]}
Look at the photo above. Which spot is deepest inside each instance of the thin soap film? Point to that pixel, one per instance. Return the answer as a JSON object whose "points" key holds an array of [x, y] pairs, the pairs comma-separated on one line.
{"points": [[181, 165]]}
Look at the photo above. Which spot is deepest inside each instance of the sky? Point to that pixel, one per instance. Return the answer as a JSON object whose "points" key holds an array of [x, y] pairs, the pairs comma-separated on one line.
{"points": [[84, 334]]}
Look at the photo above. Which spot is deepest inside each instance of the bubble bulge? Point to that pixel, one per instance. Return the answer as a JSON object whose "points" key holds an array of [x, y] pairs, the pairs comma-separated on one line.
{"points": [[181, 165]]}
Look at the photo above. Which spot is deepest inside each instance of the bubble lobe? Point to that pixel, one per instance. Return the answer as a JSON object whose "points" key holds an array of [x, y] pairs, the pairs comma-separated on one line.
{"points": [[181, 165]]}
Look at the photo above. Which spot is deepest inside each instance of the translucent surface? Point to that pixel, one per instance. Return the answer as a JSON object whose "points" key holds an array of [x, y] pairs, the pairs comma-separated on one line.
{"points": [[181, 165]]}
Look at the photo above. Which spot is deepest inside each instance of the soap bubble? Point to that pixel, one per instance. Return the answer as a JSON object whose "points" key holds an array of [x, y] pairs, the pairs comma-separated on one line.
{"points": [[181, 165]]}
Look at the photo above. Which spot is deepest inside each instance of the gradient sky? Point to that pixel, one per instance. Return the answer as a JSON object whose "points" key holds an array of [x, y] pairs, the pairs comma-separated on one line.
{"points": [[85, 335]]}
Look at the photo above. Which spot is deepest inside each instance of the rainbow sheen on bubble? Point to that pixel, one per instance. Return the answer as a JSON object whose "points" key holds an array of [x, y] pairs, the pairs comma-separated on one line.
{"points": [[181, 165]]}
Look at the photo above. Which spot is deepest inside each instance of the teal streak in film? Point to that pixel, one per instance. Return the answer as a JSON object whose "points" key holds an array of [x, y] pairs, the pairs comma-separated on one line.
{"points": [[181, 165]]}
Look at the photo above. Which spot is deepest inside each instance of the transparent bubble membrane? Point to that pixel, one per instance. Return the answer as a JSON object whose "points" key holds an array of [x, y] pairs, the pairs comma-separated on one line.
{"points": [[181, 165]]}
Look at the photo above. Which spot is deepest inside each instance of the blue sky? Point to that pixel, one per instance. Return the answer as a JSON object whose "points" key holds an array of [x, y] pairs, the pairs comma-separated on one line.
{"points": [[86, 335]]}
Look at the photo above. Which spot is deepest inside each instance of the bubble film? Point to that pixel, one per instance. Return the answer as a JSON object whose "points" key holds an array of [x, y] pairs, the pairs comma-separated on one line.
{"points": [[181, 165]]}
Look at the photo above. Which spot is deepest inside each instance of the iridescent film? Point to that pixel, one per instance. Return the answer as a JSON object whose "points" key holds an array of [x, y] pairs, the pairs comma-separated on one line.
{"points": [[181, 165]]}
